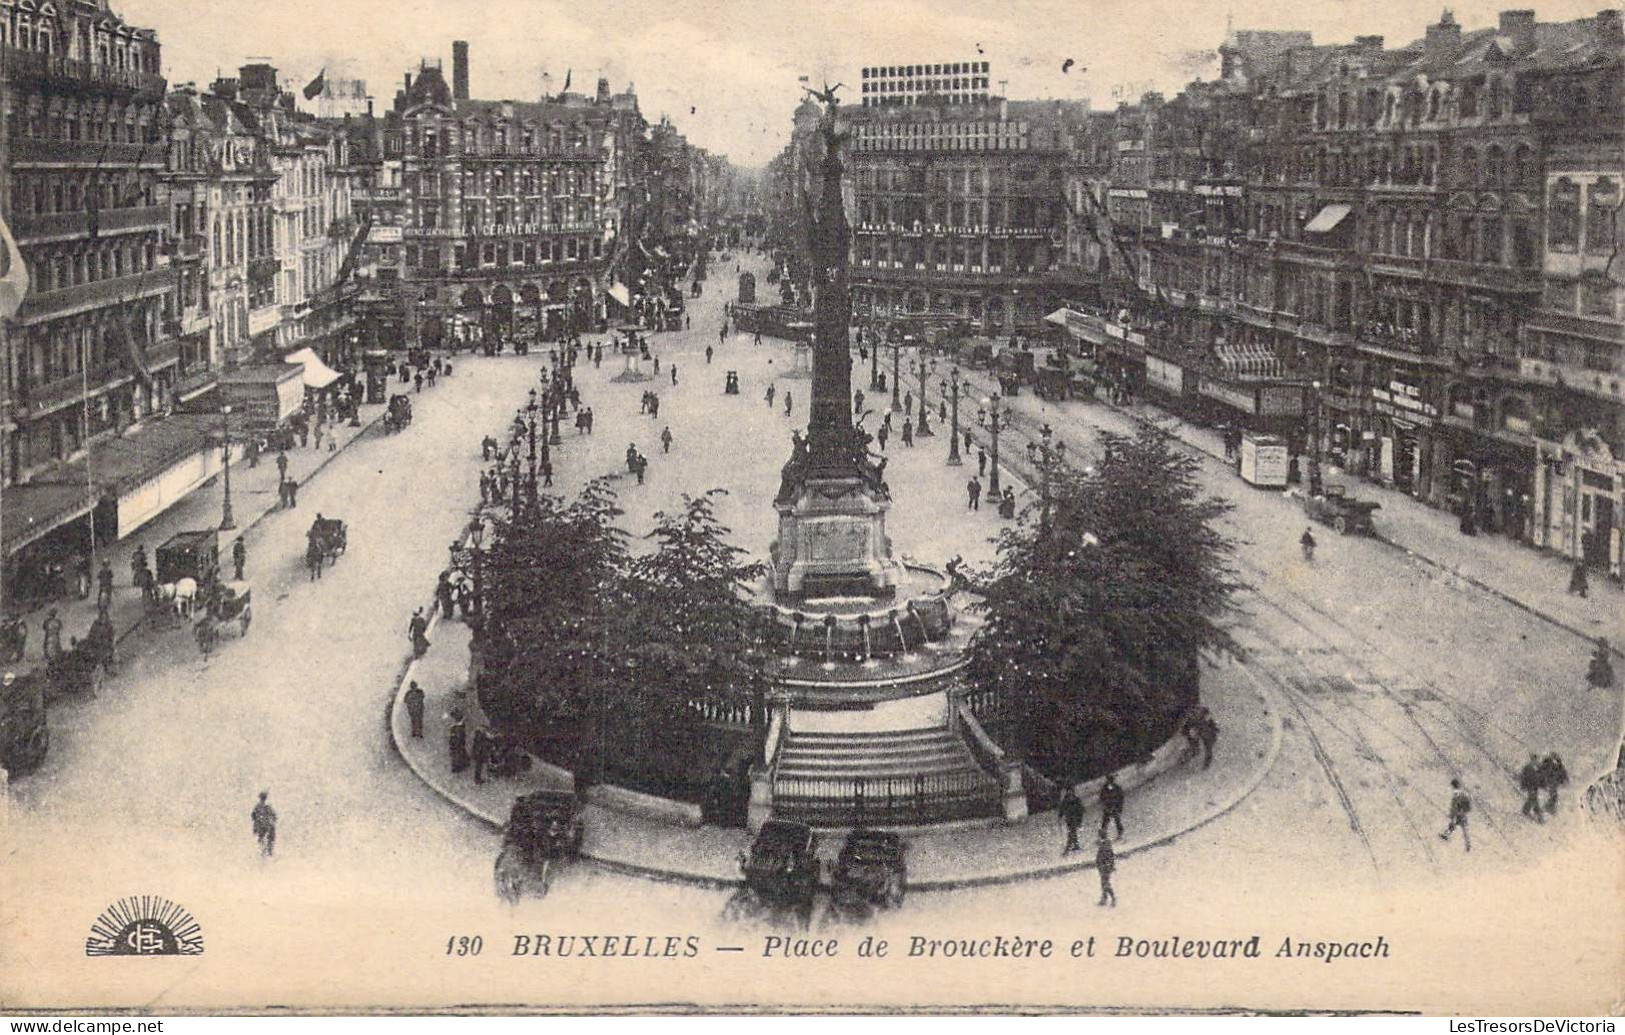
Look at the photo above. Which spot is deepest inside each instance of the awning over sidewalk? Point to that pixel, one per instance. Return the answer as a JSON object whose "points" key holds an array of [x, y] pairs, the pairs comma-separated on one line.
{"points": [[1327, 219], [1249, 361], [1058, 318], [619, 293], [317, 373], [34, 509]]}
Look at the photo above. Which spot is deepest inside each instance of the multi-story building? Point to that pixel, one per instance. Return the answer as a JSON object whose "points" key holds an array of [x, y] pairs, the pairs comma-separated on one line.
{"points": [[1355, 233], [88, 353], [514, 211], [302, 233], [951, 82], [960, 210]]}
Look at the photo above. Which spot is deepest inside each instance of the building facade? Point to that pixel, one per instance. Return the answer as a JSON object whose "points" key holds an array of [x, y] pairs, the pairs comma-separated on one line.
{"points": [[960, 210], [1389, 254]]}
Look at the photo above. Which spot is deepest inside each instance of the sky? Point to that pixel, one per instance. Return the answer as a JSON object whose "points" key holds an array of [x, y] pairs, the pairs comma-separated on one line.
{"points": [[726, 71]]}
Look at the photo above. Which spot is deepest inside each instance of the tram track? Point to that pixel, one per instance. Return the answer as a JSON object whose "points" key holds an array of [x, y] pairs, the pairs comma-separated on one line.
{"points": [[1437, 730]]}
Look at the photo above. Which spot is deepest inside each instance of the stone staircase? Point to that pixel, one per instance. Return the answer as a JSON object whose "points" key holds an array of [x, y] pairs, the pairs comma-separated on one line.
{"points": [[903, 777]]}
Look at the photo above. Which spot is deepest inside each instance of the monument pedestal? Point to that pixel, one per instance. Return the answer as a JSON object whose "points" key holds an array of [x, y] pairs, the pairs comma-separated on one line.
{"points": [[832, 542]]}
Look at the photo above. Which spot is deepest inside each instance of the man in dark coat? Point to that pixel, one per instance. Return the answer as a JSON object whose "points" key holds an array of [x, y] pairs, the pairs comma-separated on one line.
{"points": [[973, 490], [443, 592], [1070, 813], [457, 741], [414, 709], [1111, 805], [104, 584], [1106, 864], [1460, 806], [239, 558], [264, 820], [1553, 775], [1529, 783], [484, 751]]}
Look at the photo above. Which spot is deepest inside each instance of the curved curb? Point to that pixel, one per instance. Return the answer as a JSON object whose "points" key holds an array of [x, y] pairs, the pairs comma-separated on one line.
{"points": [[1266, 695]]}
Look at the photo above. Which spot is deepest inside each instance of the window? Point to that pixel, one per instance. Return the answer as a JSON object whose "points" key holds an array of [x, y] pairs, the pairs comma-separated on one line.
{"points": [[1563, 217], [1602, 211], [1492, 240], [1597, 297]]}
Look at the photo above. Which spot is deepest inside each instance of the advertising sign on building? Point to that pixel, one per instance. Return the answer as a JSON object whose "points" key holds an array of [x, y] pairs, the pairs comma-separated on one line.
{"points": [[1164, 374], [1280, 400], [385, 235], [1241, 398]]}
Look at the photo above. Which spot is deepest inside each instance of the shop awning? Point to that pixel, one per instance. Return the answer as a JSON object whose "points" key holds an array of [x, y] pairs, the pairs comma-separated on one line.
{"points": [[1058, 318], [34, 509], [619, 293], [1249, 360], [317, 373], [1326, 219]]}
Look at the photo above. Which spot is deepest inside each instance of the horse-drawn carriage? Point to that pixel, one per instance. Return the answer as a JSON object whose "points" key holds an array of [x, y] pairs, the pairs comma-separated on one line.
{"points": [[544, 828], [231, 609], [399, 415], [188, 571], [330, 536]]}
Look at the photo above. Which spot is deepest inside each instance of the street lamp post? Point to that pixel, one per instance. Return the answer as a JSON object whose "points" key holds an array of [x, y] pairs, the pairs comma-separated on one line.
{"points": [[227, 522], [996, 421], [953, 439], [874, 360], [896, 375], [924, 428], [476, 535]]}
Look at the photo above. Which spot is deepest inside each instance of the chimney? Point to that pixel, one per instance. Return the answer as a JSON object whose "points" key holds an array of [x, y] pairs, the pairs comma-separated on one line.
{"points": [[1610, 24], [409, 82], [1443, 39], [1519, 26], [459, 70]]}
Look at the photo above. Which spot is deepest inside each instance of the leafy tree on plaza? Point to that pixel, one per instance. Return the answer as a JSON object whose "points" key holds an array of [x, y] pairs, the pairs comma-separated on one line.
{"points": [[550, 581], [1099, 605]]}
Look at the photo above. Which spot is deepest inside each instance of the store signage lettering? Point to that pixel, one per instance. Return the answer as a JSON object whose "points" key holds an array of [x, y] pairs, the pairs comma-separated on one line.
{"points": [[1280, 401], [1403, 396], [1239, 398], [1164, 373]]}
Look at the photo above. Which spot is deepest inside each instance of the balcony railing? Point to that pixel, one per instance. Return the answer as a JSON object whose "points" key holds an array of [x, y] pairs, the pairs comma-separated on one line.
{"points": [[77, 224], [95, 295], [16, 63]]}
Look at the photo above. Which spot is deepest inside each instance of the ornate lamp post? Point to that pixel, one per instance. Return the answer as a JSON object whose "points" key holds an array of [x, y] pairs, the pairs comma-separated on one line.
{"points": [[953, 440], [874, 360], [994, 420], [896, 375], [476, 535], [923, 430], [227, 522]]}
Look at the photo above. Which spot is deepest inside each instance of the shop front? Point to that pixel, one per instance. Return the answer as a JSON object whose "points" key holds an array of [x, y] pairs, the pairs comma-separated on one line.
{"points": [[1579, 500]]}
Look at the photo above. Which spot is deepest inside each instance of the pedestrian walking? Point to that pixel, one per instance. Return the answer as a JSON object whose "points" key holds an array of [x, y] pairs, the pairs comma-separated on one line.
{"points": [[417, 632], [657, 364], [789, 402], [263, 818], [665, 439], [1579, 582], [967, 442], [481, 750], [722, 332], [1553, 776], [1106, 865], [674, 375], [414, 709], [1600, 672], [442, 592], [908, 402], [1460, 806], [882, 435], [981, 463], [104, 584], [973, 490], [908, 432], [1111, 805], [318, 444], [313, 559], [1207, 730], [758, 337], [771, 389], [457, 740], [51, 633], [282, 464], [1070, 812], [239, 558], [417, 383], [547, 474], [293, 493], [708, 352], [1529, 782]]}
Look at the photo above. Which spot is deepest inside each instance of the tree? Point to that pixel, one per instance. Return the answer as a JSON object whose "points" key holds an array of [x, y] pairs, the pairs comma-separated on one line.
{"points": [[689, 618], [1098, 608]]}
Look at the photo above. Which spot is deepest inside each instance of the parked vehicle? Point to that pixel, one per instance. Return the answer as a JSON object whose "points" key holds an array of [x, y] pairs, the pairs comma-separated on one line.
{"points": [[871, 871], [781, 874], [1343, 512], [232, 609], [25, 739], [544, 829], [399, 415], [193, 556]]}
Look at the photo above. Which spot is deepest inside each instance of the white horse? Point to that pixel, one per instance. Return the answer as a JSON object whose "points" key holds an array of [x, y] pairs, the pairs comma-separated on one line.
{"points": [[181, 594]]}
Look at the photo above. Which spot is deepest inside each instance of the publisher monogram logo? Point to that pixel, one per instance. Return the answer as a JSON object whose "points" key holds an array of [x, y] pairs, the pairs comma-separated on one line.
{"points": [[144, 925]]}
